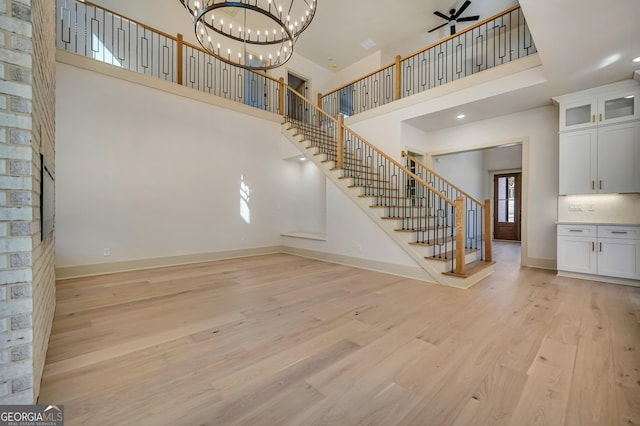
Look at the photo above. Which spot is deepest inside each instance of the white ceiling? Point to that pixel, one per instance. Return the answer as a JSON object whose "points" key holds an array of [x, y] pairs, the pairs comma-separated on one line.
{"points": [[581, 43], [397, 27]]}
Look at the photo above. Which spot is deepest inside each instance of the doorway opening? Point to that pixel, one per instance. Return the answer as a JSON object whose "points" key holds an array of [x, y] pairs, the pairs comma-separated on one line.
{"points": [[507, 212], [296, 107], [411, 182], [474, 171]]}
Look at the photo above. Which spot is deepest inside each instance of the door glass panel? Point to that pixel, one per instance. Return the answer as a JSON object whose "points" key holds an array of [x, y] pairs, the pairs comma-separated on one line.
{"points": [[511, 199], [578, 115], [506, 199], [502, 199], [621, 107]]}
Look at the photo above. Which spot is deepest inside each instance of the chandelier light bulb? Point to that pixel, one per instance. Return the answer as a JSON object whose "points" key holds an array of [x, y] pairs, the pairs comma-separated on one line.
{"points": [[277, 46]]}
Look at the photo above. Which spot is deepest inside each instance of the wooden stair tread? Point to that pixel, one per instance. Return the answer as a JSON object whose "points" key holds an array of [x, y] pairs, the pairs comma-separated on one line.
{"points": [[471, 269], [399, 207], [362, 178], [431, 244], [427, 229], [393, 197], [447, 256]]}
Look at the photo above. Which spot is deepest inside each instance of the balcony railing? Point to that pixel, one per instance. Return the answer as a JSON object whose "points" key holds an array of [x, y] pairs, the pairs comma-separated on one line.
{"points": [[428, 212], [492, 42], [99, 33]]}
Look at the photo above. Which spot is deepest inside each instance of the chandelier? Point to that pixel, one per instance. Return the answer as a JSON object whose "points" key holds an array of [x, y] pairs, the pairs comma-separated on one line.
{"points": [[252, 34]]}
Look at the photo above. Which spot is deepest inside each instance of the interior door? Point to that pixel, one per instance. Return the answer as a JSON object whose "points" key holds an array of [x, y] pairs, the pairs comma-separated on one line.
{"points": [[297, 109], [506, 208]]}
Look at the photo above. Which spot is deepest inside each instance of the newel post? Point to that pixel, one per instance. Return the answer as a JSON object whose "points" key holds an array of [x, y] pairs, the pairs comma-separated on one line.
{"points": [[460, 232], [488, 235], [281, 100], [340, 162], [180, 58], [398, 78]]}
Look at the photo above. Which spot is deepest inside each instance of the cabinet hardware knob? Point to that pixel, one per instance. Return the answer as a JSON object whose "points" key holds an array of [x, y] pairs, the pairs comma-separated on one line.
{"points": [[619, 232], [600, 185], [593, 118], [600, 247], [593, 246], [593, 185], [575, 230], [600, 117]]}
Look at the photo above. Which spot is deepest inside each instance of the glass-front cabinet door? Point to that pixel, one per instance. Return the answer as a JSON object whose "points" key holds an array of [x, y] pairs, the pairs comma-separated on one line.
{"points": [[615, 107], [579, 114], [619, 106]]}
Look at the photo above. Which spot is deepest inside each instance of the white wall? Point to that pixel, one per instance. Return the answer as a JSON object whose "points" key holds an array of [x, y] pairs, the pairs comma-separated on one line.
{"points": [[346, 75], [465, 170], [350, 232], [503, 158], [304, 210], [149, 174], [538, 129]]}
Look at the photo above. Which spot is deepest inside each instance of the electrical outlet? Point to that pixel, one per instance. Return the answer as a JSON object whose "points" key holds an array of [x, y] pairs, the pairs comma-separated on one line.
{"points": [[106, 251], [575, 207]]}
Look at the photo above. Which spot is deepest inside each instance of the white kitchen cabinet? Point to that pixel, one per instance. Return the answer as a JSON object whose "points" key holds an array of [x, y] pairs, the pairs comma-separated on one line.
{"points": [[602, 160], [619, 251], [577, 249], [601, 106], [605, 251]]}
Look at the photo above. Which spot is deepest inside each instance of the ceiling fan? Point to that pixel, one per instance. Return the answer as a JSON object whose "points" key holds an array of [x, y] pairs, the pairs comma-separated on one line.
{"points": [[454, 17]]}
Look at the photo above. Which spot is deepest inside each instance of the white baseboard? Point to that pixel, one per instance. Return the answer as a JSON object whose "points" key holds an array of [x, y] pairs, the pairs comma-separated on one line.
{"points": [[533, 262], [66, 272], [599, 278], [413, 272]]}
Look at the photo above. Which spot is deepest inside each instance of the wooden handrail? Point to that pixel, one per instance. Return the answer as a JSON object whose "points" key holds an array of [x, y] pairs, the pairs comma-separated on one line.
{"points": [[360, 78], [407, 155], [431, 46], [466, 30], [162, 33], [342, 127]]}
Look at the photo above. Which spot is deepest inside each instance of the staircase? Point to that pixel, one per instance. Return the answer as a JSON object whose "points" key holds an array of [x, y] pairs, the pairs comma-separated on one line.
{"points": [[418, 216]]}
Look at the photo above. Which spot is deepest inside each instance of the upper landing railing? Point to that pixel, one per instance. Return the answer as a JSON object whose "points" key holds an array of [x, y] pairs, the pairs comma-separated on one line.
{"points": [[495, 41], [99, 33]]}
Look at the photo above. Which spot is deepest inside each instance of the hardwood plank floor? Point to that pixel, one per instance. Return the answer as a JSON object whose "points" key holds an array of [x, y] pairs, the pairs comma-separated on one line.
{"points": [[284, 340]]}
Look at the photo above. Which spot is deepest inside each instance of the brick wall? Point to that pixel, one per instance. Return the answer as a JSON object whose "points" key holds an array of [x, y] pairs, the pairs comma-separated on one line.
{"points": [[27, 129]]}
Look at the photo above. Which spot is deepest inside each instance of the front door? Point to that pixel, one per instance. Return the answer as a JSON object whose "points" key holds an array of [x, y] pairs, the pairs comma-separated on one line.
{"points": [[506, 207]]}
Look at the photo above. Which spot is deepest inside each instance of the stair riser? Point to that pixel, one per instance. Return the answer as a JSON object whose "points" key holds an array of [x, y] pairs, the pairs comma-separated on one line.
{"points": [[379, 194]]}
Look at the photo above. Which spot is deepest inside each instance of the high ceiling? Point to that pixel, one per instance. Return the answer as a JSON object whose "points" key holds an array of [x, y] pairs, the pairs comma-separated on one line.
{"points": [[397, 28], [581, 43]]}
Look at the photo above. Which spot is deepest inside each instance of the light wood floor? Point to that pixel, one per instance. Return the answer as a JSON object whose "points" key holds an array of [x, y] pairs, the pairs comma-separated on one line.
{"points": [[279, 339]]}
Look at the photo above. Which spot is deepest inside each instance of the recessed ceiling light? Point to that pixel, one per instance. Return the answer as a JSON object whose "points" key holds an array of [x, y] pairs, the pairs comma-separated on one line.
{"points": [[460, 116], [303, 159], [637, 59]]}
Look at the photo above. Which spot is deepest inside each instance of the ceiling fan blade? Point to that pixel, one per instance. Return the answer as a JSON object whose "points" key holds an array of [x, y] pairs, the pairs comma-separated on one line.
{"points": [[462, 9], [468, 18], [438, 27], [442, 15], [453, 29]]}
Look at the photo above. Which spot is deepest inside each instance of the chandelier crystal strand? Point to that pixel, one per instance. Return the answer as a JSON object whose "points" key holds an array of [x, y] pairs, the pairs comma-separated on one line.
{"points": [[261, 38]]}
